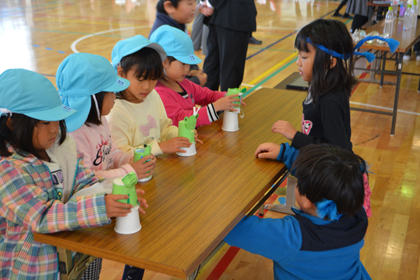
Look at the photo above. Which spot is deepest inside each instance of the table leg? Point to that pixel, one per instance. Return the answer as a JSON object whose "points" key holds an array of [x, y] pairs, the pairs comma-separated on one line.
{"points": [[290, 198], [70, 270], [397, 91]]}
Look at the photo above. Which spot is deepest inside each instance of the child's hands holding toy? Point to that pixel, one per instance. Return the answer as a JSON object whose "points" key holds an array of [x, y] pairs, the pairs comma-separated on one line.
{"points": [[267, 150], [227, 103], [115, 208], [141, 167], [173, 145], [284, 128]]}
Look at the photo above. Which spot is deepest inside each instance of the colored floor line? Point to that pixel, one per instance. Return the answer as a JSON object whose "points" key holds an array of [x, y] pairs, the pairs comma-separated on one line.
{"points": [[285, 37]]}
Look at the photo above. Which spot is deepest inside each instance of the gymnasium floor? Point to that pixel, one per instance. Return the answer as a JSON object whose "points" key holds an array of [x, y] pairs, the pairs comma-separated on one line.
{"points": [[38, 35]]}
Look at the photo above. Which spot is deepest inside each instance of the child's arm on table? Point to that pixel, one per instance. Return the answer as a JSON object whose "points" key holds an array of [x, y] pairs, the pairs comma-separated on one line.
{"points": [[284, 153]]}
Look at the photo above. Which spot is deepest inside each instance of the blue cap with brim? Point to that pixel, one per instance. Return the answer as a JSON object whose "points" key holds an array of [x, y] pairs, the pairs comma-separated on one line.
{"points": [[132, 45], [176, 43], [81, 75], [31, 94]]}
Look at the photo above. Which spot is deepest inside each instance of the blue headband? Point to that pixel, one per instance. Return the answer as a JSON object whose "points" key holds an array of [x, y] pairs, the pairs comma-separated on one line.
{"points": [[392, 44], [327, 208]]}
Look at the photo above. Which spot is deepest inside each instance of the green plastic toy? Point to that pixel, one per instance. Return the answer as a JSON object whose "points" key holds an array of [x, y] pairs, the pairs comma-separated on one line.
{"points": [[126, 185], [232, 91], [140, 153], [186, 128]]}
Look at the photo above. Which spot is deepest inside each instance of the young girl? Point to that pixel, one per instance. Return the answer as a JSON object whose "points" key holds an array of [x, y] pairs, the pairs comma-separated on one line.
{"points": [[324, 238], [87, 82], [178, 94], [326, 62], [40, 171], [177, 13], [139, 116]]}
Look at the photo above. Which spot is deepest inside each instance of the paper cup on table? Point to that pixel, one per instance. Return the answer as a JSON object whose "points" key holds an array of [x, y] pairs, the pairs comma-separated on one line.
{"points": [[230, 121], [188, 151], [129, 224]]}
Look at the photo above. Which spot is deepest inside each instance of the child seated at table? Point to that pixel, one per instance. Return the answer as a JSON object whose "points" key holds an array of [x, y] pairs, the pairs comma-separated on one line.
{"points": [[179, 95], [324, 238], [40, 172]]}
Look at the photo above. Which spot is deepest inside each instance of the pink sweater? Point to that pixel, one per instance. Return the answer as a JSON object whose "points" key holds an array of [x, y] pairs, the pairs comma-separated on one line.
{"points": [[100, 154], [179, 106]]}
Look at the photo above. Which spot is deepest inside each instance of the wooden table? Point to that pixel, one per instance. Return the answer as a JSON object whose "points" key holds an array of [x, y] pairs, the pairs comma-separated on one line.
{"points": [[407, 40], [195, 201]]}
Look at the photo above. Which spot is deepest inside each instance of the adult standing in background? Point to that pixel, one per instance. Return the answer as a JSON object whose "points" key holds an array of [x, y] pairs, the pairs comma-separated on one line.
{"points": [[360, 10], [230, 27]]}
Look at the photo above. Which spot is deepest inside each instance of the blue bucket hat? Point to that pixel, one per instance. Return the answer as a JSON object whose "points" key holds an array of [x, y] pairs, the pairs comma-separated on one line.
{"points": [[81, 75], [31, 94], [132, 45], [176, 43]]}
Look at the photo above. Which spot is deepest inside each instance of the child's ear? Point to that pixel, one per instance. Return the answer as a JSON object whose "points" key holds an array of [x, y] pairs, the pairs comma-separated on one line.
{"points": [[307, 204], [168, 7], [165, 63], [9, 124], [120, 71], [333, 62]]}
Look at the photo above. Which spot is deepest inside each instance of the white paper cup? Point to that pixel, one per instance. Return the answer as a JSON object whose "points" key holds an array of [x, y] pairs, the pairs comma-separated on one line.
{"points": [[145, 179], [129, 224], [230, 121], [189, 151]]}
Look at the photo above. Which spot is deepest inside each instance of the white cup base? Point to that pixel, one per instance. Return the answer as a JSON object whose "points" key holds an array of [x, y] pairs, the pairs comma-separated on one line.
{"points": [[189, 151], [230, 121], [145, 179], [129, 224]]}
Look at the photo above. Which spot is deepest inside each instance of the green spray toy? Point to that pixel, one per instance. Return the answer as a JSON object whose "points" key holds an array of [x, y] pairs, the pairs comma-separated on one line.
{"points": [[140, 153], [126, 185], [233, 91], [186, 128]]}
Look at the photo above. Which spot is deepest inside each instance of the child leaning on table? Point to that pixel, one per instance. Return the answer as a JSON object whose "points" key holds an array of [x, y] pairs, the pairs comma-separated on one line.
{"points": [[40, 171], [178, 94], [324, 238]]}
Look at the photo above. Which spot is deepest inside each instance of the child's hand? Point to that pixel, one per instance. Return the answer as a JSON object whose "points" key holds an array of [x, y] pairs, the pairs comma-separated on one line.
{"points": [[202, 77], [209, 11], [196, 137], [284, 128], [142, 201], [226, 103], [141, 167], [173, 145], [267, 150], [115, 208]]}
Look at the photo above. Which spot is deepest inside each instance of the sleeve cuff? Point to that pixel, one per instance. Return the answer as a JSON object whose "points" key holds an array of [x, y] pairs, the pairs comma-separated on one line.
{"points": [[211, 112]]}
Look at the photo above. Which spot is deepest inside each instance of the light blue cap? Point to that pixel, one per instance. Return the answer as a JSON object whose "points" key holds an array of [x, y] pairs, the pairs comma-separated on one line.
{"points": [[31, 94], [131, 45], [176, 43], [81, 75]]}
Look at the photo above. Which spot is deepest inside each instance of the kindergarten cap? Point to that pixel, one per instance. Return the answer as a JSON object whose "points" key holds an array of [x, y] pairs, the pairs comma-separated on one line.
{"points": [[31, 94], [176, 43], [132, 45], [81, 75]]}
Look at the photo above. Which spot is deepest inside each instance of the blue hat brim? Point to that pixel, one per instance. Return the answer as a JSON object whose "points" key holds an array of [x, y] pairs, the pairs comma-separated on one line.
{"points": [[120, 84], [188, 59], [54, 114]]}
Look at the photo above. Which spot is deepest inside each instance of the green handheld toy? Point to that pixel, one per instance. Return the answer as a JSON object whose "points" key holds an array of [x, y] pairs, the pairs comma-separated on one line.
{"points": [[233, 91], [186, 128], [126, 185], [140, 153]]}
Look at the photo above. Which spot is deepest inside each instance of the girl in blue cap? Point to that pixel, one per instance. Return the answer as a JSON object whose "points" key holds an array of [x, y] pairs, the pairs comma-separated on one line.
{"points": [[178, 94], [40, 171], [86, 83], [139, 116]]}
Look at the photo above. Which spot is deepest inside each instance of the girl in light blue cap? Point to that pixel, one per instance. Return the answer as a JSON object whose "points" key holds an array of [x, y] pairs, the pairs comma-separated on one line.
{"points": [[179, 95], [139, 116], [40, 171], [87, 82]]}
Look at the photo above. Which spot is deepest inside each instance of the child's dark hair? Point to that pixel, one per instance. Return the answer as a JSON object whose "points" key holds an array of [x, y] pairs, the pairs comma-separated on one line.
{"points": [[92, 118], [334, 36], [161, 9], [326, 171], [21, 136], [147, 63]]}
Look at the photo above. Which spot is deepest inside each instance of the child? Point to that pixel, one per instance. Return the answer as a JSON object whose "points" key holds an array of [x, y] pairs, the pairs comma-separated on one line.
{"points": [[326, 62], [177, 13], [178, 94], [87, 82], [40, 171], [139, 116], [323, 240]]}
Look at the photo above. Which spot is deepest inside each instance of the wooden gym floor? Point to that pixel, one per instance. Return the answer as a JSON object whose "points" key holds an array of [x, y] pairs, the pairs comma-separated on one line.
{"points": [[39, 34]]}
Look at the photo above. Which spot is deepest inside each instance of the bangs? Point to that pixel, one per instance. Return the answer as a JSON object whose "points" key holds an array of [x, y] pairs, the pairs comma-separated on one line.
{"points": [[300, 43], [146, 62]]}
